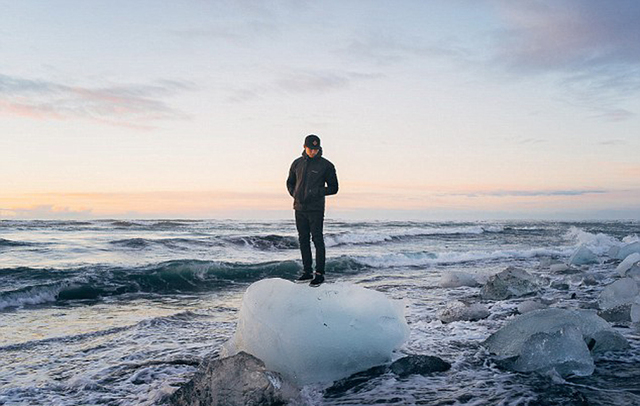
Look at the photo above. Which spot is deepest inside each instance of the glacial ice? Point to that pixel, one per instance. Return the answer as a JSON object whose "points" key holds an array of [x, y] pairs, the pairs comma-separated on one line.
{"points": [[459, 311], [512, 282], [563, 350], [621, 292], [510, 340], [457, 279], [317, 335], [634, 272], [583, 256], [628, 249], [628, 262]]}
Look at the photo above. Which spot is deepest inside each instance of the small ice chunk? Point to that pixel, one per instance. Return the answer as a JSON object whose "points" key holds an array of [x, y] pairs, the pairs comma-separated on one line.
{"points": [[628, 249], [562, 350], [457, 279], [559, 268], [628, 262], [634, 272], [618, 314], [317, 335], [530, 305], [583, 256], [512, 282], [459, 311], [623, 291]]}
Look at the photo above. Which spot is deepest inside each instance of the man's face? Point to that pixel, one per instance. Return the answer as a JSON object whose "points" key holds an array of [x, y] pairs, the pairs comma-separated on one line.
{"points": [[311, 152]]}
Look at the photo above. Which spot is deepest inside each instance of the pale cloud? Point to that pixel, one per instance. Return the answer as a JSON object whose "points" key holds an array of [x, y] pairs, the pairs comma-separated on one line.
{"points": [[529, 193], [614, 142], [386, 48], [570, 35], [301, 81], [593, 45], [135, 105]]}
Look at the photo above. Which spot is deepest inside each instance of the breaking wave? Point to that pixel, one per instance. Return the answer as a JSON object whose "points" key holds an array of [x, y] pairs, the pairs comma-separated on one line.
{"points": [[598, 242], [266, 242], [180, 276]]}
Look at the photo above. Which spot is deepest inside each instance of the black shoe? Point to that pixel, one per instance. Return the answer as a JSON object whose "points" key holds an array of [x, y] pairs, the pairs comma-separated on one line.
{"points": [[305, 277], [317, 280]]}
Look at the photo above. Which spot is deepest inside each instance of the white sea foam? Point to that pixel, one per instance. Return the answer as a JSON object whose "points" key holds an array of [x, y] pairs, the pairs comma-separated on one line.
{"points": [[428, 258], [34, 296], [332, 240], [599, 243]]}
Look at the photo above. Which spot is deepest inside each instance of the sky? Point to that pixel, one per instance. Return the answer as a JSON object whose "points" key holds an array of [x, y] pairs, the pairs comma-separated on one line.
{"points": [[430, 110]]}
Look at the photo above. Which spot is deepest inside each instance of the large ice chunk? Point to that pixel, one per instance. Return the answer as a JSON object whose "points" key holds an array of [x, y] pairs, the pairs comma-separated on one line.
{"points": [[318, 334], [510, 339], [583, 256], [563, 350], [621, 292]]}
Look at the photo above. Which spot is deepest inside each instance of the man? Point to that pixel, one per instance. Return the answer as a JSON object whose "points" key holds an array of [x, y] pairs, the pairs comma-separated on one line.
{"points": [[311, 178]]}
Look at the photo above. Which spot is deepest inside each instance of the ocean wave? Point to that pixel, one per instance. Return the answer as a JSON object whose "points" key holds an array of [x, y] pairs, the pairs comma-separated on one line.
{"points": [[125, 224], [31, 295], [265, 242], [171, 223], [356, 238], [174, 243], [598, 242], [11, 243], [179, 276], [421, 259], [65, 339]]}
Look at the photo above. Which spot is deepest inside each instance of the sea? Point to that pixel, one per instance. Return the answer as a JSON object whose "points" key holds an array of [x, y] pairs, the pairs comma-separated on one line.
{"points": [[121, 312]]}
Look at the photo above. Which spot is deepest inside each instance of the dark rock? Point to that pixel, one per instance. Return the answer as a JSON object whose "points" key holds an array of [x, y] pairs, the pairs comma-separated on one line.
{"points": [[355, 382], [409, 365], [238, 380], [419, 364]]}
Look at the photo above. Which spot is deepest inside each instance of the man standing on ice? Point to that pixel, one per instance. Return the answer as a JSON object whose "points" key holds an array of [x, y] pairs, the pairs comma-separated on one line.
{"points": [[311, 178]]}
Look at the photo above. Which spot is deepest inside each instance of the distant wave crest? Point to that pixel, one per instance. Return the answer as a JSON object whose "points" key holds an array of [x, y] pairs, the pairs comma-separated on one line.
{"points": [[12, 243]]}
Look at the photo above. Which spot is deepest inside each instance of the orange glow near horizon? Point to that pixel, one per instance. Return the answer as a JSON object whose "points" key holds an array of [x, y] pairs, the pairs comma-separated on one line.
{"points": [[210, 204]]}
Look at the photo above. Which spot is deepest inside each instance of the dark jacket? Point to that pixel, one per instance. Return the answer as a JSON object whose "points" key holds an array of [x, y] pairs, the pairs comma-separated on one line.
{"points": [[310, 180]]}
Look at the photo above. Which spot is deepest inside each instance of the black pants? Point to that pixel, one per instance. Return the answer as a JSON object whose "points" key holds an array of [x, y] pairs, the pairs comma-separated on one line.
{"points": [[309, 223]]}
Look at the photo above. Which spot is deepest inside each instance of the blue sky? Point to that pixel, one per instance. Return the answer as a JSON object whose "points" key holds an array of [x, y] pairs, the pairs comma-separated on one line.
{"points": [[432, 110]]}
